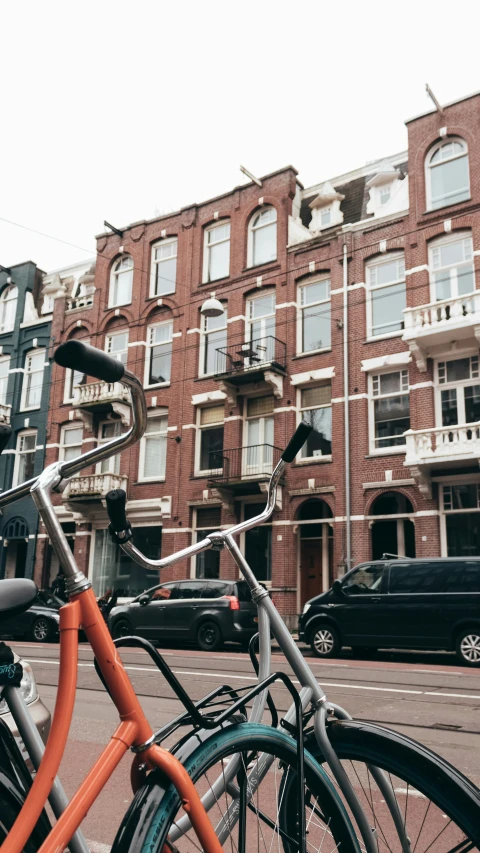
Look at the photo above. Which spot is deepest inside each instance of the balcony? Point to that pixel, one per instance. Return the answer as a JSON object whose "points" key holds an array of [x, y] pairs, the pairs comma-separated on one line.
{"points": [[5, 413], [103, 396], [79, 302], [441, 447], [440, 323], [94, 486], [263, 359], [243, 470]]}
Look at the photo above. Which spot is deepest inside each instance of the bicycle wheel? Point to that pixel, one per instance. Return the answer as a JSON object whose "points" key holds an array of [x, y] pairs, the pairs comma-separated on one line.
{"points": [[262, 828], [439, 807]]}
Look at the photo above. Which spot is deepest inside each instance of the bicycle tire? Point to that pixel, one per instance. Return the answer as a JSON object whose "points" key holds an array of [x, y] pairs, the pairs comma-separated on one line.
{"points": [[426, 774], [151, 817], [10, 805]]}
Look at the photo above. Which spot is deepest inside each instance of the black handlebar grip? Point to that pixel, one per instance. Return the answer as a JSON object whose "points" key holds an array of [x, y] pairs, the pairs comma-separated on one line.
{"points": [[297, 441], [5, 433], [116, 501], [89, 360]]}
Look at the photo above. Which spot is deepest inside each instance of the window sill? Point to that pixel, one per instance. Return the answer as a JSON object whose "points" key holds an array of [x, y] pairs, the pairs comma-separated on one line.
{"points": [[120, 305], [221, 280], [149, 480], [311, 352], [159, 385], [312, 460], [386, 451], [154, 296], [448, 204], [265, 267], [205, 475], [372, 338], [30, 409]]}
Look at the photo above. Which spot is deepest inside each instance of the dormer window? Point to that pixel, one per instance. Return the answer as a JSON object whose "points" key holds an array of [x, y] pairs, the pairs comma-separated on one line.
{"points": [[326, 217], [385, 193], [325, 208], [388, 190]]}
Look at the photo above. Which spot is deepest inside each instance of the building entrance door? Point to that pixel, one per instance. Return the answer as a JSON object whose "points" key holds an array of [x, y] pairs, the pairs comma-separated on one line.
{"points": [[310, 569], [316, 549]]}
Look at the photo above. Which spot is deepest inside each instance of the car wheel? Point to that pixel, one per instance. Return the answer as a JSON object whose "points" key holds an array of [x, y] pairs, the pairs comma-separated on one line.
{"points": [[467, 647], [121, 628], [325, 642], [209, 637], [41, 630]]}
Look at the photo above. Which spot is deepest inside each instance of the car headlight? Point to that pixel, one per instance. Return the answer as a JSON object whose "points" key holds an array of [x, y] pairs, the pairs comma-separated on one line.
{"points": [[305, 608], [28, 687]]}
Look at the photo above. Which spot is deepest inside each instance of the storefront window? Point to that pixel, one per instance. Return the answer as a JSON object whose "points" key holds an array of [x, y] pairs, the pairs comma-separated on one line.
{"points": [[113, 570]]}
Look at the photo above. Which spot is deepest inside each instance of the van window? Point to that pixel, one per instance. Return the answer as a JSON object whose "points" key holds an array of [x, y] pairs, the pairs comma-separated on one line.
{"points": [[188, 589], [462, 577], [365, 580], [216, 590], [415, 577]]}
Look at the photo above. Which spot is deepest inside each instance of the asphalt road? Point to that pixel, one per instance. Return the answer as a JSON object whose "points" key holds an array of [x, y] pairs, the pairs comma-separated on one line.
{"points": [[426, 696]]}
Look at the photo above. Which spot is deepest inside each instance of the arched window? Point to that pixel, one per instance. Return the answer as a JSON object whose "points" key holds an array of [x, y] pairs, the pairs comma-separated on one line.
{"points": [[262, 237], [448, 180], [393, 532], [121, 281], [8, 308]]}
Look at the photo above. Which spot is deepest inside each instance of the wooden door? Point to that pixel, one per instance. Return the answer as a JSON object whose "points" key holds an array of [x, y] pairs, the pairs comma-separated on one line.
{"points": [[310, 569]]}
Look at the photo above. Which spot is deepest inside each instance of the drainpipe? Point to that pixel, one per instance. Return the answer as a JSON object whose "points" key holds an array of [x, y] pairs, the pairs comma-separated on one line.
{"points": [[346, 383]]}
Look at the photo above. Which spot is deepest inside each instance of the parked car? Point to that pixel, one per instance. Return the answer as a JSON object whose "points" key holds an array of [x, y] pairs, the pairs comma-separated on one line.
{"points": [[39, 623], [401, 604], [207, 612], [38, 711]]}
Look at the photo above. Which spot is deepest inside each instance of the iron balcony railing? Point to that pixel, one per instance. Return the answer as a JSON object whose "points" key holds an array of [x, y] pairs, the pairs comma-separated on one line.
{"points": [[243, 463], [249, 356]]}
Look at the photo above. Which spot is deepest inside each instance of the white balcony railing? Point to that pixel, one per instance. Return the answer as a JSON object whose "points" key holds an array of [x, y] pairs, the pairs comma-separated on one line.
{"points": [[427, 446], [94, 485], [99, 392], [5, 413], [80, 302], [459, 310]]}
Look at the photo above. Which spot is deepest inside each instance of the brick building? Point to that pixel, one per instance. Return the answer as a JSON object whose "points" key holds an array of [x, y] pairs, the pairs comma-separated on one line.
{"points": [[225, 393]]}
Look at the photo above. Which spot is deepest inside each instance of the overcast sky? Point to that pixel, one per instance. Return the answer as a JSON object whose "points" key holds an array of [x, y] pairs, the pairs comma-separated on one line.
{"points": [[124, 110]]}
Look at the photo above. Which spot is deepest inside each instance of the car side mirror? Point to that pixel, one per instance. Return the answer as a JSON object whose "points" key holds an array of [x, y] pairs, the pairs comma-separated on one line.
{"points": [[338, 588], [143, 600]]}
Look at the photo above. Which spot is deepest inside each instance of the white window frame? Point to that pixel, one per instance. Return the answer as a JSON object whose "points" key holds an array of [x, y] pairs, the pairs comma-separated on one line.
{"points": [[18, 452], [155, 263], [69, 374], [459, 384], [456, 237], [117, 353], [195, 539], [323, 214], [404, 390], [381, 191], [429, 167], [111, 460], [251, 230], [148, 356], [66, 428], [300, 289], [221, 223], [199, 472], [250, 319], [457, 481], [28, 355], [8, 295], [376, 262], [5, 360], [204, 333], [152, 415], [307, 460], [114, 274], [245, 430]]}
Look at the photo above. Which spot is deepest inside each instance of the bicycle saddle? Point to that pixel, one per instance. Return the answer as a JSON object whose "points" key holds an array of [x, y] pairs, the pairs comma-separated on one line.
{"points": [[16, 595]]}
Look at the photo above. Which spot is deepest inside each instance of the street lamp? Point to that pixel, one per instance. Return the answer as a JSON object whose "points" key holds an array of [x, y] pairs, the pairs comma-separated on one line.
{"points": [[212, 307]]}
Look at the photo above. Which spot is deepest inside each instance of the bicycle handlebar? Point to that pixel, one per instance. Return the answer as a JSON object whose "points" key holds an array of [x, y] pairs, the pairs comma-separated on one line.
{"points": [[84, 358], [297, 441]]}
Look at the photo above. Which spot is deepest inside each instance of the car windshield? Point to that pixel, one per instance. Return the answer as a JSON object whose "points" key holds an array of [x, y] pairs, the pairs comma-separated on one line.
{"points": [[46, 599]]}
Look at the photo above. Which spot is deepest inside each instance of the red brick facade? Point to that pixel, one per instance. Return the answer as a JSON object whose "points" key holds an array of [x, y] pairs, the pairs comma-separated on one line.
{"points": [[308, 258]]}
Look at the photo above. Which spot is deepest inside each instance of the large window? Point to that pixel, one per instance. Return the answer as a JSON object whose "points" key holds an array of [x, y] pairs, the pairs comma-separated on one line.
{"points": [[459, 384], [207, 564], [8, 308], [259, 445], [116, 345], [164, 267], [387, 295], [153, 447], [257, 545], [159, 353], [121, 281], [451, 267], [25, 456], [316, 410], [315, 316], [261, 328], [214, 336], [262, 237], [210, 438], [447, 174], [390, 409], [113, 570], [71, 442], [461, 519], [72, 378], [33, 380], [217, 252], [4, 368], [106, 432]]}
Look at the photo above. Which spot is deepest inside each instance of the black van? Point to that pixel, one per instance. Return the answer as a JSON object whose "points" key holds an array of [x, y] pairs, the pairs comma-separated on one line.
{"points": [[401, 604]]}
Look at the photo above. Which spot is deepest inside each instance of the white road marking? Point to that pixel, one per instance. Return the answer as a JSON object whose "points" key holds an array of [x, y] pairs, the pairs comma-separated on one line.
{"points": [[229, 676]]}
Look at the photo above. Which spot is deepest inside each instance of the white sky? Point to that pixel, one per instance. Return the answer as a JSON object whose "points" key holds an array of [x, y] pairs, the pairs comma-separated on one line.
{"points": [[123, 110]]}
